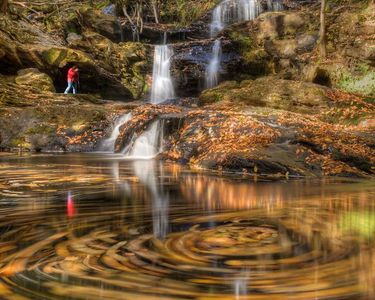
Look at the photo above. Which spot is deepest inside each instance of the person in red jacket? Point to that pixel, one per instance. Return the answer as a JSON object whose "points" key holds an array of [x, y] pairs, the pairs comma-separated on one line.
{"points": [[73, 80]]}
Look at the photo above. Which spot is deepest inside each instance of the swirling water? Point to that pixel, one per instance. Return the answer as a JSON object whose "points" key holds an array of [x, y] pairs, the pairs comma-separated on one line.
{"points": [[99, 227]]}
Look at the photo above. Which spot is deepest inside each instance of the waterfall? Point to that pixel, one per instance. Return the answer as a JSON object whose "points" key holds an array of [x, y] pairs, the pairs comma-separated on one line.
{"points": [[217, 20], [162, 86], [248, 10], [275, 5], [108, 145], [233, 11], [212, 71], [148, 144]]}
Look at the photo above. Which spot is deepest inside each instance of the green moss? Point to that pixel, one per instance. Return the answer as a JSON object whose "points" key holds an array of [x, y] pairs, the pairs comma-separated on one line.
{"points": [[61, 56], [184, 12], [362, 83], [245, 43], [41, 129]]}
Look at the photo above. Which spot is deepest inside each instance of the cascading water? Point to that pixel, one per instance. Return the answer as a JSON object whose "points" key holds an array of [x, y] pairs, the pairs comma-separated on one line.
{"points": [[248, 10], [108, 145], [212, 71], [275, 5], [162, 85], [232, 11], [217, 20], [148, 144]]}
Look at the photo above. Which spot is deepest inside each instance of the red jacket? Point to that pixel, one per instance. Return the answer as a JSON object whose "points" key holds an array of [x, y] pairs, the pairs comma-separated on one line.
{"points": [[73, 75]]}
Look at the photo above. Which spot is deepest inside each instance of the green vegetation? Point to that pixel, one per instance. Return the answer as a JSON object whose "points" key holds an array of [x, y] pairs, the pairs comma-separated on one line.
{"points": [[361, 81]]}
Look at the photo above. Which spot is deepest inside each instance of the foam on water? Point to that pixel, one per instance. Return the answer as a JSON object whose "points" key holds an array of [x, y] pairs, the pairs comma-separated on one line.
{"points": [[108, 145], [148, 144]]}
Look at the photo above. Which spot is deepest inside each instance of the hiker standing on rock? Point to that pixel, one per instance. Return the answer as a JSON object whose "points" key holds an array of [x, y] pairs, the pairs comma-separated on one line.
{"points": [[73, 80]]}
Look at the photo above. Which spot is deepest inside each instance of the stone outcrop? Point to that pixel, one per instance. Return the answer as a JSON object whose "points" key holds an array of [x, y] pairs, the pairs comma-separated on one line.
{"points": [[284, 44], [273, 143], [34, 119], [115, 71], [35, 78], [270, 92]]}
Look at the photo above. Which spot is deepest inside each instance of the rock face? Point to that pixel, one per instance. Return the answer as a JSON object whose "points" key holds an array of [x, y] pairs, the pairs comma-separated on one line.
{"points": [[38, 120], [191, 60], [284, 44], [273, 42], [35, 78], [271, 92], [115, 71]]}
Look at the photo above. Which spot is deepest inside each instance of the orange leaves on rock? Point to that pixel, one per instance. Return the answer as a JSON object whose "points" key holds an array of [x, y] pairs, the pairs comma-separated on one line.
{"points": [[348, 106]]}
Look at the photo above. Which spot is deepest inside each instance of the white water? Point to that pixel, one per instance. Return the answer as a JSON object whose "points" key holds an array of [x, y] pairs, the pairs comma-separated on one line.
{"points": [[233, 11], [146, 173], [148, 144], [162, 85], [212, 71], [108, 145], [274, 5]]}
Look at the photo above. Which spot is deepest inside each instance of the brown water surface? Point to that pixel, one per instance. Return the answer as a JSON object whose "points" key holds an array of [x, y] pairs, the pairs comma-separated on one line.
{"points": [[100, 227]]}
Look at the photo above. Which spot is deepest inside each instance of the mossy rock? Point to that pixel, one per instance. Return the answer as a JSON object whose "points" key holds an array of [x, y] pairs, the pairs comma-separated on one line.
{"points": [[60, 57], [271, 92], [35, 78]]}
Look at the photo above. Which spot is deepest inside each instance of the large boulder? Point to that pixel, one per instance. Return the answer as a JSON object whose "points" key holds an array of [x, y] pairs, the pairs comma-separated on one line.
{"points": [[105, 24], [271, 92], [35, 78], [272, 42]]}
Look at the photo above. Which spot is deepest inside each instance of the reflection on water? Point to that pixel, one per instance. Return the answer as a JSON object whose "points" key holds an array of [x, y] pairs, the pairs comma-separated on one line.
{"points": [[70, 205], [91, 227], [145, 171]]}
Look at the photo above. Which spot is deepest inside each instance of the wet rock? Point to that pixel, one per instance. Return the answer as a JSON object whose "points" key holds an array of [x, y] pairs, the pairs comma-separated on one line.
{"points": [[279, 142], [104, 24], [142, 118], [191, 60]]}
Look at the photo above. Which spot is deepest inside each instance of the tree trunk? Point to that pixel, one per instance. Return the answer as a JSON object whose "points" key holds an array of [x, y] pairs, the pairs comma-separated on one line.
{"points": [[4, 6], [155, 10], [323, 36]]}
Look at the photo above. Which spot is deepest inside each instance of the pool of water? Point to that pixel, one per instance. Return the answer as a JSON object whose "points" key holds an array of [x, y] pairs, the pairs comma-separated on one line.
{"points": [[101, 227]]}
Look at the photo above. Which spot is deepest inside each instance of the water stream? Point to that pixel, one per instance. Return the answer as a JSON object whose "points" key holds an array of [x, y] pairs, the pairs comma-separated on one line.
{"points": [[148, 144], [162, 85], [232, 11], [108, 144], [93, 226], [213, 68]]}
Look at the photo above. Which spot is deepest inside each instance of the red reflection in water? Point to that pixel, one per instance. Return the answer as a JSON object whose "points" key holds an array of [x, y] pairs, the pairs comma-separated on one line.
{"points": [[70, 206]]}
